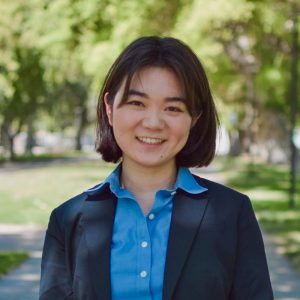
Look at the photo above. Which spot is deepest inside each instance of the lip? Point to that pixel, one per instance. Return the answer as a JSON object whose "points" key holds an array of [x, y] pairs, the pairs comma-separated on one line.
{"points": [[150, 140]]}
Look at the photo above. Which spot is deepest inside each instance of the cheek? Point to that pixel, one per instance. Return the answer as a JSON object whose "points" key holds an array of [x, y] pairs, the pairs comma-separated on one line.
{"points": [[121, 122], [185, 138], [123, 127], [182, 129], [126, 120]]}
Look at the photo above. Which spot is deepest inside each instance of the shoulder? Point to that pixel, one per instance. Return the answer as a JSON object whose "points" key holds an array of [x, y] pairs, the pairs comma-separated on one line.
{"points": [[221, 194], [71, 207], [71, 210], [67, 214], [228, 204], [216, 187], [74, 204]]}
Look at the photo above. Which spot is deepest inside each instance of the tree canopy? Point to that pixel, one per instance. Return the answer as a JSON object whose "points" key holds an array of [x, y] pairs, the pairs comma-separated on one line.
{"points": [[55, 54]]}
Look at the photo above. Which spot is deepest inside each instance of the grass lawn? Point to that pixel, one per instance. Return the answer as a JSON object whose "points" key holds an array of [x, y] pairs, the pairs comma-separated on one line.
{"points": [[42, 157], [267, 186], [28, 196], [9, 260]]}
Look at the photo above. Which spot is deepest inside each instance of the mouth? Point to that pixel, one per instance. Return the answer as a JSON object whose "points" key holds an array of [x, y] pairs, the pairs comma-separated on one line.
{"points": [[150, 140]]}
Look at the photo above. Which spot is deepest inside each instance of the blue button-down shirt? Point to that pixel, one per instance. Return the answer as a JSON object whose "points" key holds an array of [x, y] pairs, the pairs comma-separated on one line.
{"points": [[139, 242]]}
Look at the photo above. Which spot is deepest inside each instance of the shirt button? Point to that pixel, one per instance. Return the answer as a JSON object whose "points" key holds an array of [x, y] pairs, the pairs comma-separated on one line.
{"points": [[143, 274], [173, 193], [151, 216], [144, 244]]}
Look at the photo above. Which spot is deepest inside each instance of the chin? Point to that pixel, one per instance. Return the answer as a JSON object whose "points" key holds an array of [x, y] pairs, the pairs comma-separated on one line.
{"points": [[153, 163]]}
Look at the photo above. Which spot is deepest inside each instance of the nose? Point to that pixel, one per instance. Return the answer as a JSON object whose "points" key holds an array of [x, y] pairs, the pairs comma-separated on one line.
{"points": [[153, 120]]}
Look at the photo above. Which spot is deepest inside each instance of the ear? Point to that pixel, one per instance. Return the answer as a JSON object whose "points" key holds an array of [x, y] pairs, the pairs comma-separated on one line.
{"points": [[108, 108]]}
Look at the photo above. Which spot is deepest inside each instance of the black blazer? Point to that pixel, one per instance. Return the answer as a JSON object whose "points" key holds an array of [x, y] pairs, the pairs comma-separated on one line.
{"points": [[215, 249]]}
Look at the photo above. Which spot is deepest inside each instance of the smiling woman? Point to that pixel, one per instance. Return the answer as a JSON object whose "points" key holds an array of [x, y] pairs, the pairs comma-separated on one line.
{"points": [[153, 230], [149, 127], [186, 74]]}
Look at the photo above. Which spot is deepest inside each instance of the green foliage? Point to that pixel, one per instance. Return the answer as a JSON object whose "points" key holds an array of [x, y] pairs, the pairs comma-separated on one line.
{"points": [[22, 87], [9, 260], [26, 86], [238, 39], [55, 54]]}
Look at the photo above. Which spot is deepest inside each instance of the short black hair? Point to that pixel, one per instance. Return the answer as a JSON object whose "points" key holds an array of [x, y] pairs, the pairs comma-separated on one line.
{"points": [[171, 53]]}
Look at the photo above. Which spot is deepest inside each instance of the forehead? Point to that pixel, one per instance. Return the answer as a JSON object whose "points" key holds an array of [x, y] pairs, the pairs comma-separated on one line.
{"points": [[160, 79]]}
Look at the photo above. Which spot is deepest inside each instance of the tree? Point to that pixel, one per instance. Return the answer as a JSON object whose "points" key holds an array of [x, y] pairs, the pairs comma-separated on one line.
{"points": [[67, 105], [80, 39], [27, 87], [22, 85], [245, 47]]}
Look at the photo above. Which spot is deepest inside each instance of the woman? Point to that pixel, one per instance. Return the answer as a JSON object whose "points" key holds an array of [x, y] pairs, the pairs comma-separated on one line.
{"points": [[152, 230]]}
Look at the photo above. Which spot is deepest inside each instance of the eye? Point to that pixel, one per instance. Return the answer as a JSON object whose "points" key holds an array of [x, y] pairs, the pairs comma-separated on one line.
{"points": [[135, 103], [174, 109]]}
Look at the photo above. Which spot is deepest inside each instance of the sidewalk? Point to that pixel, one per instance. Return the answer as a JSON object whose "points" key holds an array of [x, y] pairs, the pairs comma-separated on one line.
{"points": [[23, 282], [285, 281]]}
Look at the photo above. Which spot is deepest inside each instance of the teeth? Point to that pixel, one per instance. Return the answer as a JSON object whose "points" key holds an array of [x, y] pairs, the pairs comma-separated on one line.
{"points": [[149, 140]]}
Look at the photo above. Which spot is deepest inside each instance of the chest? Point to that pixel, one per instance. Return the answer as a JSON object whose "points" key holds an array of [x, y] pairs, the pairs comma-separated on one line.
{"points": [[138, 250]]}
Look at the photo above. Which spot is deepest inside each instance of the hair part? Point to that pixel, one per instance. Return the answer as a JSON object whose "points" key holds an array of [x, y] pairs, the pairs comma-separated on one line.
{"points": [[173, 54]]}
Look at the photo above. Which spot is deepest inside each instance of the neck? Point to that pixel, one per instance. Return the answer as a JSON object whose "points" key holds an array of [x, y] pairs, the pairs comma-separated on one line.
{"points": [[143, 182], [147, 178]]}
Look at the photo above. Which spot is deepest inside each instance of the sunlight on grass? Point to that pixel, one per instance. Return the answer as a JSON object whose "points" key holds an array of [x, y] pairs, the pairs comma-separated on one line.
{"points": [[9, 260], [29, 195], [279, 216], [260, 194]]}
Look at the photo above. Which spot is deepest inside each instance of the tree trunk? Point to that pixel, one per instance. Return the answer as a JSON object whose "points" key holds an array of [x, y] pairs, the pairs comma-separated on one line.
{"points": [[12, 154], [81, 117], [30, 140], [9, 138], [235, 143]]}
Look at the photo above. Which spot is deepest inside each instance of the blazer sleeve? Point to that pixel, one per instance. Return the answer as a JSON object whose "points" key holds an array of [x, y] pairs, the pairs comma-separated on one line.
{"points": [[251, 280], [55, 281]]}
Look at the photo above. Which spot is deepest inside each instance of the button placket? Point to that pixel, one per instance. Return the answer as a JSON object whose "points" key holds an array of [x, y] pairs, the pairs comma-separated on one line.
{"points": [[144, 256]]}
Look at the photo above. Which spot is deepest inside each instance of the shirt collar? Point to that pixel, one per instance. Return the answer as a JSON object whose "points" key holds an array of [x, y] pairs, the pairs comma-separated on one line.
{"points": [[185, 181], [113, 181]]}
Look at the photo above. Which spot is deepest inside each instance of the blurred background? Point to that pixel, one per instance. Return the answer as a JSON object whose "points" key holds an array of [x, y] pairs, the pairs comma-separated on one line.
{"points": [[54, 55]]}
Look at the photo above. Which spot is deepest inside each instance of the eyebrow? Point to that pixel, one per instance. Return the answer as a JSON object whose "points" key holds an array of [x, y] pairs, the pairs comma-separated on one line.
{"points": [[132, 92]]}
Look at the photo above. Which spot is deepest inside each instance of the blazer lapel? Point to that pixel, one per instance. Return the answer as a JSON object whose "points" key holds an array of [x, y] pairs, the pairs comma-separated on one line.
{"points": [[188, 212], [98, 218]]}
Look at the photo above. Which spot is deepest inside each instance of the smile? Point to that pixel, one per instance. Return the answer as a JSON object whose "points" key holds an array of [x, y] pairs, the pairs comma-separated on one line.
{"points": [[151, 141]]}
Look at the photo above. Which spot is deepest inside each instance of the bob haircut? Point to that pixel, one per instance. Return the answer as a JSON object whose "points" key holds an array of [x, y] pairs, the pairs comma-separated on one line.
{"points": [[173, 54]]}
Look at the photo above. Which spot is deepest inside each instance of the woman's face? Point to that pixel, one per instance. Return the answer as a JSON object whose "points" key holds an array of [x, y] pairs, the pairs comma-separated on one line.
{"points": [[153, 125]]}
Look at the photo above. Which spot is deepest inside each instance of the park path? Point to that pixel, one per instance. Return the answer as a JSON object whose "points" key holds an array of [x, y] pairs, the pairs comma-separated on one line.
{"points": [[22, 283]]}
